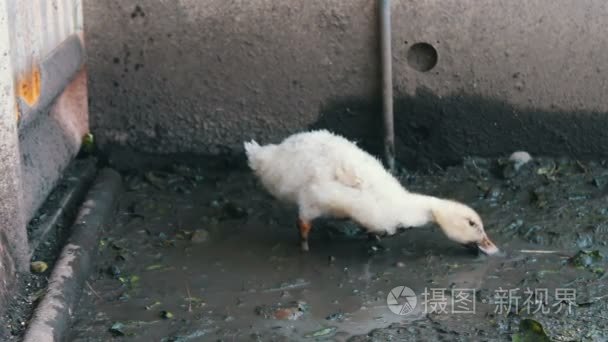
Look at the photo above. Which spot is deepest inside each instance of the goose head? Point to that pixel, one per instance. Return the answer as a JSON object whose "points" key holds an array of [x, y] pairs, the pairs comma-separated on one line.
{"points": [[462, 224]]}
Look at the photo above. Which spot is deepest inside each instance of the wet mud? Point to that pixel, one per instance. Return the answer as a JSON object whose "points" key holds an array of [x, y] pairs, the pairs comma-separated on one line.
{"points": [[204, 254]]}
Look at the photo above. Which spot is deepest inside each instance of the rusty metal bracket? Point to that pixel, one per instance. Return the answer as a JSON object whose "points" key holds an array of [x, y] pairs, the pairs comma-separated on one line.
{"points": [[41, 85]]}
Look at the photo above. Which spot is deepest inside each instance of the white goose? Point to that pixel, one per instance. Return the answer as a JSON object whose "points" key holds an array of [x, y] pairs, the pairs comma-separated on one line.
{"points": [[326, 175]]}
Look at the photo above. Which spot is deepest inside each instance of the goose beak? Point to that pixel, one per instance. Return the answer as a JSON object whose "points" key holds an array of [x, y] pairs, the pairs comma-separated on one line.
{"points": [[487, 246]]}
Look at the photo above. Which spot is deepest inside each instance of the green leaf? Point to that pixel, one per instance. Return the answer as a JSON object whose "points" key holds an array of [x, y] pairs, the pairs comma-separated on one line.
{"points": [[530, 331], [154, 267], [322, 332]]}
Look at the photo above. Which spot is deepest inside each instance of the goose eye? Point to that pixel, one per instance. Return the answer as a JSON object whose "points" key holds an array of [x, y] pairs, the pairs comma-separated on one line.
{"points": [[471, 223]]}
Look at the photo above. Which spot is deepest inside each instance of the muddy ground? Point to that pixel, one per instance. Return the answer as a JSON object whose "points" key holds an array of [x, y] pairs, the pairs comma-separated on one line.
{"points": [[205, 255], [31, 286]]}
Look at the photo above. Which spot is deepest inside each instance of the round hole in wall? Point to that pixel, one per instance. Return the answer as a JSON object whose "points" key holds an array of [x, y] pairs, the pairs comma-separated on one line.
{"points": [[422, 57]]}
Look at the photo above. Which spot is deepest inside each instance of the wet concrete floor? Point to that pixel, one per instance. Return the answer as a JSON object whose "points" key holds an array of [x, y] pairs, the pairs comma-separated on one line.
{"points": [[207, 255]]}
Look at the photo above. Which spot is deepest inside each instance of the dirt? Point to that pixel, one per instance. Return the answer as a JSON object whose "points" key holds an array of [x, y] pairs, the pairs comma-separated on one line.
{"points": [[199, 254], [31, 286]]}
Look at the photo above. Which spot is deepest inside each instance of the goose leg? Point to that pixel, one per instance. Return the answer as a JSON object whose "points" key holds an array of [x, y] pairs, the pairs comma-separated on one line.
{"points": [[375, 243], [373, 237], [304, 228]]}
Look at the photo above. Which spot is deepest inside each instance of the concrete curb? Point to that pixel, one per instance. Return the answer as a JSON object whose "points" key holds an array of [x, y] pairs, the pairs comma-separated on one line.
{"points": [[76, 181], [52, 316]]}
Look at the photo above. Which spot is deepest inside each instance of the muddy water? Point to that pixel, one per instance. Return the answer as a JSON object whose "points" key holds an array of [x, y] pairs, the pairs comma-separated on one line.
{"points": [[206, 255]]}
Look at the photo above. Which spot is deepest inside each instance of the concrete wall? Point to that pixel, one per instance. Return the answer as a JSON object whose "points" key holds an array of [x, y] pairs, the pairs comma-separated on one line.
{"points": [[191, 76], [188, 76], [43, 115], [12, 224], [47, 57]]}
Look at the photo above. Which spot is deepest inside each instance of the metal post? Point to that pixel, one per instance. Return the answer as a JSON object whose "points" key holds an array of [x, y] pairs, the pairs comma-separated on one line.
{"points": [[387, 84]]}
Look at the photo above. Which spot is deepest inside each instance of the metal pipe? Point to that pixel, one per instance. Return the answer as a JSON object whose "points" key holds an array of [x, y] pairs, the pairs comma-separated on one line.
{"points": [[387, 84]]}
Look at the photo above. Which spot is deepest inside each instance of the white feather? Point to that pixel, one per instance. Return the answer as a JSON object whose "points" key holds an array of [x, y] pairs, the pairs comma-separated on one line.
{"points": [[325, 174]]}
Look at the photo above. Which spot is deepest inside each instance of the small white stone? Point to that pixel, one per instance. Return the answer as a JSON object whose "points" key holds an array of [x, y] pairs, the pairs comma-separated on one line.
{"points": [[520, 158]]}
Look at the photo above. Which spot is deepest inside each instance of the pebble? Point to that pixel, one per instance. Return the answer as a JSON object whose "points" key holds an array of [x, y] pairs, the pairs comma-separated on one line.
{"points": [[290, 314], [532, 234], [584, 240], [114, 271], [493, 193], [515, 225], [338, 316], [515, 163], [233, 211], [519, 159], [117, 329], [199, 236], [39, 266], [400, 264]]}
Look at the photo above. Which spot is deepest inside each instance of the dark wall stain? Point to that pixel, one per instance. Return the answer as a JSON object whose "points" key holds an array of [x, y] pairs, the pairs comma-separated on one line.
{"points": [[430, 129]]}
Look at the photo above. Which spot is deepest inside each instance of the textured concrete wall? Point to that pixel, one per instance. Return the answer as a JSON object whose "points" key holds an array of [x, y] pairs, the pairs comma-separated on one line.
{"points": [[13, 240], [510, 75], [190, 76], [43, 115], [52, 121]]}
